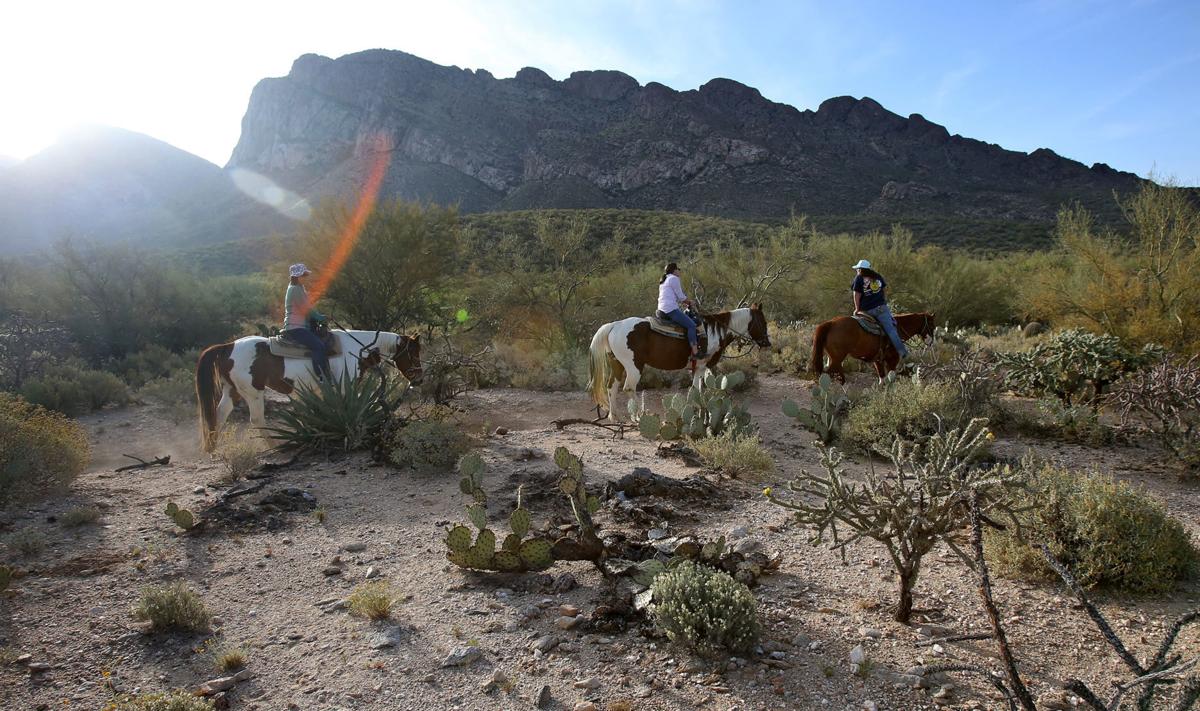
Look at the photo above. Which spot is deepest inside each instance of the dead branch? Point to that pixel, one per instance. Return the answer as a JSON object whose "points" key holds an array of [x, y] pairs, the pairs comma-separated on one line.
{"points": [[234, 493], [142, 463], [618, 429], [955, 638]]}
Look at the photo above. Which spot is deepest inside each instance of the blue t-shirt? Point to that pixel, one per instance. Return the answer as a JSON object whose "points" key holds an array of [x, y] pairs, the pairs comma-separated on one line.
{"points": [[871, 289]]}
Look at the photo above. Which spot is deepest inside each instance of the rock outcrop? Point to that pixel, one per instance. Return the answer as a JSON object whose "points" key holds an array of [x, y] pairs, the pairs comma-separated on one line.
{"points": [[601, 139]]}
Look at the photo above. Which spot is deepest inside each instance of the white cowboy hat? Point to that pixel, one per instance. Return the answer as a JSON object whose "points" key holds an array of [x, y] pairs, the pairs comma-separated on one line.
{"points": [[298, 270], [862, 264]]}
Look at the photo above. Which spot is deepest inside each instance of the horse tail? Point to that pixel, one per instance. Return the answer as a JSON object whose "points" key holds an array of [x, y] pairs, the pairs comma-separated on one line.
{"points": [[818, 351], [599, 368], [207, 390]]}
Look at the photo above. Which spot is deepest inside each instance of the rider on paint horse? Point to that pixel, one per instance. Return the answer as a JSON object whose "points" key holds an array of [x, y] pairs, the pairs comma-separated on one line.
{"points": [[869, 299], [670, 300], [297, 312]]}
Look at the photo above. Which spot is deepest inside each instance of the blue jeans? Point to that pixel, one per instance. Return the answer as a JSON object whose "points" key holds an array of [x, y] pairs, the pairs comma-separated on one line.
{"points": [[678, 317], [883, 315], [316, 347]]}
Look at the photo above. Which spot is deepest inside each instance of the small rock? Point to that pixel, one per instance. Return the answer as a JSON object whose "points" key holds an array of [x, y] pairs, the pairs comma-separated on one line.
{"points": [[198, 490], [589, 683], [372, 572], [737, 532], [746, 546], [546, 643], [463, 656], [37, 667], [544, 698], [801, 641], [585, 706], [870, 633], [501, 431], [568, 610], [568, 623], [857, 655], [23, 659], [1054, 700], [384, 639], [499, 680], [938, 650], [656, 534], [332, 570], [355, 547], [870, 706]]}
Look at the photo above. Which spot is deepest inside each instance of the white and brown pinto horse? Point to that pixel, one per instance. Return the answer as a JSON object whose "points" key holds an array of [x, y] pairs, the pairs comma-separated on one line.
{"points": [[245, 368], [621, 349]]}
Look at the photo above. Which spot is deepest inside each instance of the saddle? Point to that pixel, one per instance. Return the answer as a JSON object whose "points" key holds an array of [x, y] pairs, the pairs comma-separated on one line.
{"points": [[667, 328], [869, 324], [285, 347]]}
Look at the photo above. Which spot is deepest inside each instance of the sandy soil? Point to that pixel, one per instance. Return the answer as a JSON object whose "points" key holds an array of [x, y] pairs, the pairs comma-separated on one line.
{"points": [[266, 584]]}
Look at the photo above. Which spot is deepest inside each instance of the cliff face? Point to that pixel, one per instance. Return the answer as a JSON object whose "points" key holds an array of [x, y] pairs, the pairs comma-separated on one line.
{"points": [[601, 139]]}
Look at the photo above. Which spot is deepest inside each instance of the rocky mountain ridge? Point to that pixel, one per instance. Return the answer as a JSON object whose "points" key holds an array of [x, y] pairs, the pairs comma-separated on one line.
{"points": [[602, 139]]}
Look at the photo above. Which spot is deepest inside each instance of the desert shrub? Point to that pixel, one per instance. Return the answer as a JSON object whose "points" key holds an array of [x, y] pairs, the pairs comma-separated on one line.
{"points": [[792, 348], [372, 600], [27, 542], [171, 701], [40, 450], [905, 407], [908, 510], [1074, 366], [735, 456], [175, 392], [705, 609], [73, 389], [1073, 423], [172, 607], [345, 413], [228, 659], [80, 516], [238, 453], [1166, 399], [152, 363], [523, 364], [1105, 531], [426, 445]]}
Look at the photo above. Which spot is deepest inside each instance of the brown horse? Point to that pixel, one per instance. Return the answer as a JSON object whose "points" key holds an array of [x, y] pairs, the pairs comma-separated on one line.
{"points": [[843, 336], [621, 349]]}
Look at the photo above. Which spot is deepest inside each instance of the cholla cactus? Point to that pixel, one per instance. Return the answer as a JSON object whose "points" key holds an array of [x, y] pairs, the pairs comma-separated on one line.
{"points": [[829, 404], [182, 517], [908, 510], [700, 413], [1166, 398], [705, 609]]}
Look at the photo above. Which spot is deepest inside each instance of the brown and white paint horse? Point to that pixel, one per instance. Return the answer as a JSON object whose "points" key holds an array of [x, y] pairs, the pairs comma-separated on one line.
{"points": [[843, 336], [621, 349], [245, 368]]}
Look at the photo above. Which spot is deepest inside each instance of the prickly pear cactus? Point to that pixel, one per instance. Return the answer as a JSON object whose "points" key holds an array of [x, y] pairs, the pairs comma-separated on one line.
{"points": [[824, 416], [6, 577], [516, 554], [700, 413], [574, 488], [182, 517]]}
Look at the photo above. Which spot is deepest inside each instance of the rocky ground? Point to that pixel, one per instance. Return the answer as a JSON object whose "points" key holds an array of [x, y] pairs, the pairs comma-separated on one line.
{"points": [[275, 577]]}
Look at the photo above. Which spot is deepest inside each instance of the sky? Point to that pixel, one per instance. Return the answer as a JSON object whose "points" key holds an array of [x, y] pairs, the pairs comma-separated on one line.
{"points": [[1096, 81]]}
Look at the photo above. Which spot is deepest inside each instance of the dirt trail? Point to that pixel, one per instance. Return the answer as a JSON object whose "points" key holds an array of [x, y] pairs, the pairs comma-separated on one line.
{"points": [[264, 585]]}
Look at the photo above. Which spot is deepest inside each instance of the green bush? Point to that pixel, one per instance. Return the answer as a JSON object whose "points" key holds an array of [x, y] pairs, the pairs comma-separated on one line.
{"points": [[172, 607], [176, 393], [372, 600], [427, 445], [734, 456], [1107, 532], [905, 407], [152, 363], [27, 542], [40, 450], [74, 390], [705, 609], [1073, 366], [178, 700]]}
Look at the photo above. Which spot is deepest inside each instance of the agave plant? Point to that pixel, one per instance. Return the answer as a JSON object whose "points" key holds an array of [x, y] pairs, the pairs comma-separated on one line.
{"points": [[346, 414]]}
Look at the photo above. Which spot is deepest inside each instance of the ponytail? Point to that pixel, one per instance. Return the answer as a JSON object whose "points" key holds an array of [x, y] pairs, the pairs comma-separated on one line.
{"points": [[667, 270]]}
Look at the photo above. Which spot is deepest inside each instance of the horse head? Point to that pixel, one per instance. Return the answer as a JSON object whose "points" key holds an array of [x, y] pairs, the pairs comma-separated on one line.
{"points": [[923, 324], [758, 326], [407, 358]]}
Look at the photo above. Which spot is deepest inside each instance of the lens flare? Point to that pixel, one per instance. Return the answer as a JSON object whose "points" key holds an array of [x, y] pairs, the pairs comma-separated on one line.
{"points": [[353, 228]]}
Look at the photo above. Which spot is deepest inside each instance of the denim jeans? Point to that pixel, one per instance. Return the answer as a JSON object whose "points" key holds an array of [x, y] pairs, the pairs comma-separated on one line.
{"points": [[316, 347], [680, 318], [883, 315]]}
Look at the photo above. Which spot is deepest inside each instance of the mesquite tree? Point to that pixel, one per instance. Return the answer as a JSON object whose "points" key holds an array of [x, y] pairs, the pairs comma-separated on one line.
{"points": [[908, 509]]}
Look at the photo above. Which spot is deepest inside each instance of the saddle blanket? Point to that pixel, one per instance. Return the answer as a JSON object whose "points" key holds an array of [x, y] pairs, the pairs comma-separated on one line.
{"points": [[869, 324], [667, 328], [287, 348]]}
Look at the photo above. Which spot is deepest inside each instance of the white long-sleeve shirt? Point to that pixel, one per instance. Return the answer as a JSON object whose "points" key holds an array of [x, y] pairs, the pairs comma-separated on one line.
{"points": [[670, 294]]}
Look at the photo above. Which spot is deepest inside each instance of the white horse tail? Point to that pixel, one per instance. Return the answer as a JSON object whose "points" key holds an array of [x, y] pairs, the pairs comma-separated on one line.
{"points": [[207, 391], [599, 366]]}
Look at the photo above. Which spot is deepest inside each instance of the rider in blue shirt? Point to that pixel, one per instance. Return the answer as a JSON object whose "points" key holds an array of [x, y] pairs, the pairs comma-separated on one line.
{"points": [[869, 298]]}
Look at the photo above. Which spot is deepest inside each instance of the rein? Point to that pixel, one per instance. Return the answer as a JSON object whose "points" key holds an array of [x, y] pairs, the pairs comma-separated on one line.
{"points": [[364, 348]]}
